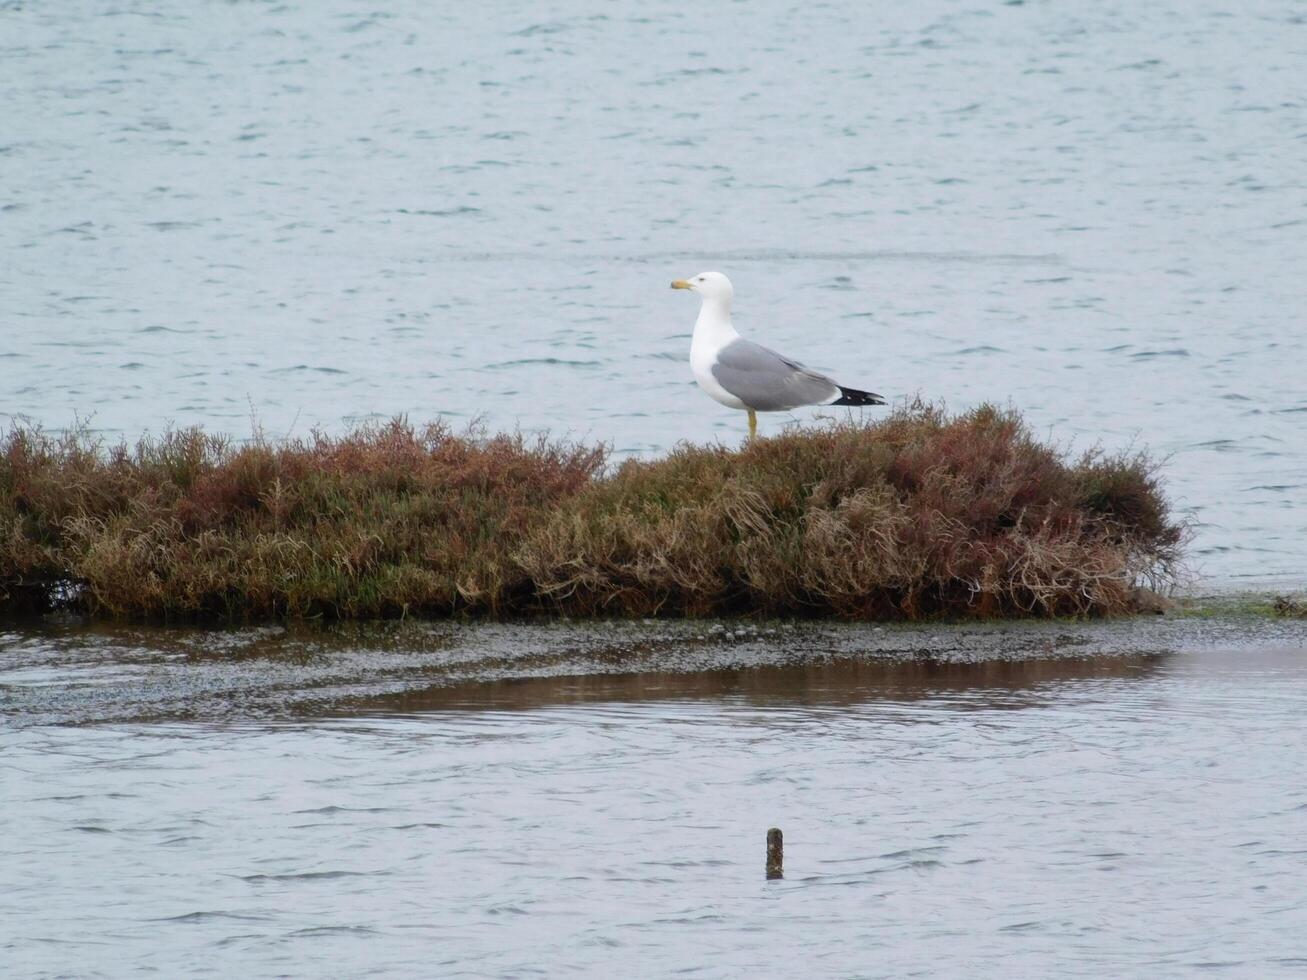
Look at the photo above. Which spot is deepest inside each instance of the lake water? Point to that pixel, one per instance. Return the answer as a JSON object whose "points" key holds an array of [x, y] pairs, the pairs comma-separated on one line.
{"points": [[298, 215], [1123, 799], [320, 213], [1134, 815]]}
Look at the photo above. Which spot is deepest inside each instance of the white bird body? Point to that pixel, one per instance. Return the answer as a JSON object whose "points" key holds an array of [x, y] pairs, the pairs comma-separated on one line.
{"points": [[743, 375], [712, 332]]}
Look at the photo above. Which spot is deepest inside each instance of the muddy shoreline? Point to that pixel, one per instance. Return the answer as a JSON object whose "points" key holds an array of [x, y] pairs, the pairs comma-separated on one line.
{"points": [[77, 673]]}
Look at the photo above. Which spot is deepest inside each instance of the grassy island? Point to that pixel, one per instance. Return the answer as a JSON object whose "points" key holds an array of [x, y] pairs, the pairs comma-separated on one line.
{"points": [[917, 515]]}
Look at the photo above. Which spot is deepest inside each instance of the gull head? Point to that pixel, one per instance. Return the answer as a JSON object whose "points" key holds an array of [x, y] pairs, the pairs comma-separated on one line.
{"points": [[710, 285]]}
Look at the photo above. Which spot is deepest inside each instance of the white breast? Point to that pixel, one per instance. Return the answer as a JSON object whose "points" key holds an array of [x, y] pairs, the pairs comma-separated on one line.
{"points": [[712, 331]]}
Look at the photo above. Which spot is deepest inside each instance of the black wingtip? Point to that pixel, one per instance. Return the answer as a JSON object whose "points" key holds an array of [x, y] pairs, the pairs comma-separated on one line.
{"points": [[852, 396]]}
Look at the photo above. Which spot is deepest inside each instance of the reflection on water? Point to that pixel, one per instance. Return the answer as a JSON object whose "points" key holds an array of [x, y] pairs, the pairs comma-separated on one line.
{"points": [[1140, 815], [833, 683], [71, 673]]}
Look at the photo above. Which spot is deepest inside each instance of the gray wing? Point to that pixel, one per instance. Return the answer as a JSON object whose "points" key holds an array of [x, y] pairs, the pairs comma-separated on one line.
{"points": [[766, 381]]}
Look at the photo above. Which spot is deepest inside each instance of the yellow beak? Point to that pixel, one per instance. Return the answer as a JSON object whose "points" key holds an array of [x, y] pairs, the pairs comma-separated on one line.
{"points": [[680, 284]]}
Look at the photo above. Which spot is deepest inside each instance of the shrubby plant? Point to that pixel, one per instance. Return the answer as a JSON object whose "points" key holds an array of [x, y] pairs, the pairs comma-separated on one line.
{"points": [[919, 514]]}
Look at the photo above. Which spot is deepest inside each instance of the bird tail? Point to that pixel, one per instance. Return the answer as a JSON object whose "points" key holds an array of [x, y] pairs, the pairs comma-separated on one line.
{"points": [[852, 396]]}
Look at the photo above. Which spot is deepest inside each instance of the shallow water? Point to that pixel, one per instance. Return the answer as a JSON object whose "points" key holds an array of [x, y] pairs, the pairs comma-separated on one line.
{"points": [[320, 213], [1104, 816]]}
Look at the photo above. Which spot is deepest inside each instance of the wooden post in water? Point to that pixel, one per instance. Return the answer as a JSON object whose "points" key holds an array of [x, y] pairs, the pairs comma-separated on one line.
{"points": [[775, 854]]}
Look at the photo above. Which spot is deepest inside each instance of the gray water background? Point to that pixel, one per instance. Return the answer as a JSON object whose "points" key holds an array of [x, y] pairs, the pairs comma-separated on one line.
{"points": [[317, 214]]}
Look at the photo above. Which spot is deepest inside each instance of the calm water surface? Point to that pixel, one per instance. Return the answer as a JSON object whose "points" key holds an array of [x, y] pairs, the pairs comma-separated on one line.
{"points": [[1132, 816], [321, 213]]}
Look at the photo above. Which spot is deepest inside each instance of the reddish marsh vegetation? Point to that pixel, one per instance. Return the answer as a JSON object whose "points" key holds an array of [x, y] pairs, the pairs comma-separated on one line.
{"points": [[916, 515]]}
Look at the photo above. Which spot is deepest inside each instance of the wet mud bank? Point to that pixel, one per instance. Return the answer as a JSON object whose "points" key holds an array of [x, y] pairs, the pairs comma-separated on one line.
{"points": [[75, 673]]}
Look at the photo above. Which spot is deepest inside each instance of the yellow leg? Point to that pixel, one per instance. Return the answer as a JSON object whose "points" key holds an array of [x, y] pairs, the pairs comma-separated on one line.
{"points": [[753, 425]]}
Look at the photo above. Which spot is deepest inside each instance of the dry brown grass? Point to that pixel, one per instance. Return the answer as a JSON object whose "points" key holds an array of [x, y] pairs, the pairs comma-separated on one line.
{"points": [[1289, 607], [916, 515], [376, 523]]}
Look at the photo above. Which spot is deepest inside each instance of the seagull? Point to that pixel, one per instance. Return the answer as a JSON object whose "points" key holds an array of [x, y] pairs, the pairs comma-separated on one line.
{"points": [[741, 374]]}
